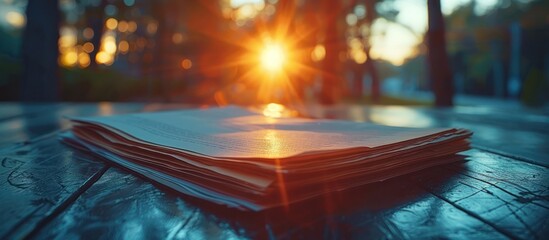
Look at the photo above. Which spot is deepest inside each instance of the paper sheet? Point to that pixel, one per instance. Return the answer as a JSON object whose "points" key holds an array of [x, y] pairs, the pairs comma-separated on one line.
{"points": [[233, 132]]}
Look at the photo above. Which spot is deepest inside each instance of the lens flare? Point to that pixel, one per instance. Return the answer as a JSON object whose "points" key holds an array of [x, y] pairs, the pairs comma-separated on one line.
{"points": [[273, 57], [274, 62]]}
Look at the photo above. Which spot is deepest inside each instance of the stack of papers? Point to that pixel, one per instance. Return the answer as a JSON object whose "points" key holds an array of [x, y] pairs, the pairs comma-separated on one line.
{"points": [[242, 159]]}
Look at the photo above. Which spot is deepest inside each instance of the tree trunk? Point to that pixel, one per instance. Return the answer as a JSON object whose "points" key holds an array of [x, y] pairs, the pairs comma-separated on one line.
{"points": [[358, 85], [96, 21], [40, 51], [330, 80], [371, 68], [371, 14], [439, 68]]}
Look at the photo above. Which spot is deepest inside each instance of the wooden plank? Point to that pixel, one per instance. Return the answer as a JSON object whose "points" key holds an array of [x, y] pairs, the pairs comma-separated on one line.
{"points": [[28, 126], [510, 195], [123, 205], [37, 180], [40, 174], [14, 124], [519, 134], [492, 197], [9, 110]]}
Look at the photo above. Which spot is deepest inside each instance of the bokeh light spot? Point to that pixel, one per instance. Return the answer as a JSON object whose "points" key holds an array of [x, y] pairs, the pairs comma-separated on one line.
{"points": [[318, 53], [177, 38], [88, 47], [123, 46], [87, 33], [132, 26], [102, 57], [83, 59], [151, 28], [123, 26], [15, 19], [186, 63], [111, 23]]}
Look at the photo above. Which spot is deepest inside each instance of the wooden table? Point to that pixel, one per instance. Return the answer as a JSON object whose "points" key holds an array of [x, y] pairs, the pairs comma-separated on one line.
{"points": [[500, 190]]}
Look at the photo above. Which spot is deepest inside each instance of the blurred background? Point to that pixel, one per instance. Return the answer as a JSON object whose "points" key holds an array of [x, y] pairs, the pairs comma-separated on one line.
{"points": [[405, 52]]}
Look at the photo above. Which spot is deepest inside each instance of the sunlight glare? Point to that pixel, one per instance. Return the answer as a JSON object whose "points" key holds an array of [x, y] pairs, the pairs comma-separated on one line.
{"points": [[273, 57], [393, 42], [273, 110]]}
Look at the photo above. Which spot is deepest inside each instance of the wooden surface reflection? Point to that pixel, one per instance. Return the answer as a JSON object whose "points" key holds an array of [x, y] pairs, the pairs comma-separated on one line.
{"points": [[500, 189]]}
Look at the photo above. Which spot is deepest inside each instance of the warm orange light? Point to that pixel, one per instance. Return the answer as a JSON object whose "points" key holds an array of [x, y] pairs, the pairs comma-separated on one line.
{"points": [[273, 110], [105, 108], [67, 40], [132, 26], [102, 57], [109, 44], [123, 46], [186, 64], [272, 63], [111, 23], [87, 33], [69, 58], [123, 26], [88, 47], [151, 28], [177, 38], [273, 57], [359, 56], [83, 59], [275, 67], [318, 53]]}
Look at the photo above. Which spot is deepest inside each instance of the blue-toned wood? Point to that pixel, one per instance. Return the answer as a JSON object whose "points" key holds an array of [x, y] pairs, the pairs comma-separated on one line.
{"points": [[500, 189], [37, 179]]}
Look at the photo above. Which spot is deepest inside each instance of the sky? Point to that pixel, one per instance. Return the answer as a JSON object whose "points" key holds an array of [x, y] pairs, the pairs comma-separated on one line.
{"points": [[400, 39]]}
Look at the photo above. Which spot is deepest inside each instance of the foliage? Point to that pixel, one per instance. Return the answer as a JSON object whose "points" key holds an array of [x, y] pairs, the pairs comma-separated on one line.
{"points": [[109, 85]]}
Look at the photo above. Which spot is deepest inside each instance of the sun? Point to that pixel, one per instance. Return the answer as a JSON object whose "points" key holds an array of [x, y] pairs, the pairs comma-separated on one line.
{"points": [[273, 57], [270, 62]]}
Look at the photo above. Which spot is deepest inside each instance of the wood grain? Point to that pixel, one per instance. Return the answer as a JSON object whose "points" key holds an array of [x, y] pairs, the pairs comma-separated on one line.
{"points": [[37, 179], [52, 191]]}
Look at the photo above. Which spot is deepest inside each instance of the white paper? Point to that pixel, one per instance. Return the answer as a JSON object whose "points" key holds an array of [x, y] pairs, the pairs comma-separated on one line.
{"points": [[233, 132]]}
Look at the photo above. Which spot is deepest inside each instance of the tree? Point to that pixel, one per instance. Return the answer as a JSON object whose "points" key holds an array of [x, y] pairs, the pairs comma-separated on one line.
{"points": [[40, 51], [370, 65], [439, 68], [96, 21], [334, 44]]}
